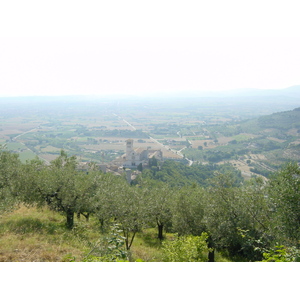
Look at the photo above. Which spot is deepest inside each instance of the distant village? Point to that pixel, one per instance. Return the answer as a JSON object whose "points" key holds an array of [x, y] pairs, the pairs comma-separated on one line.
{"points": [[132, 162]]}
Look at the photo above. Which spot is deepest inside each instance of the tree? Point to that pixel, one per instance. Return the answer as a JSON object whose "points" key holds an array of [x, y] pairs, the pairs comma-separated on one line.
{"points": [[255, 219], [140, 167], [61, 186], [129, 211], [153, 162], [284, 193], [221, 218], [188, 211], [106, 198], [10, 180], [237, 217], [281, 253], [157, 202]]}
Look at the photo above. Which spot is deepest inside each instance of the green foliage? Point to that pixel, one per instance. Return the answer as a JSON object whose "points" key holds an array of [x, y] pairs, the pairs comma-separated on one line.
{"points": [[284, 193], [242, 219], [177, 174], [231, 210], [129, 212], [110, 248], [140, 167], [153, 162], [61, 186], [281, 253], [157, 203], [260, 171], [10, 180], [186, 249], [105, 200], [188, 211]]}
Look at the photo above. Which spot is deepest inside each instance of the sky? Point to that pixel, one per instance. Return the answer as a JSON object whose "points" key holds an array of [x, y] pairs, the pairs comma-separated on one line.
{"points": [[139, 47]]}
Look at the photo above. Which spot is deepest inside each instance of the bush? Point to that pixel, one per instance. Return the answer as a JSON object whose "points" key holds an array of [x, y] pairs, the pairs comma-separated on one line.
{"points": [[186, 249], [282, 254], [110, 248]]}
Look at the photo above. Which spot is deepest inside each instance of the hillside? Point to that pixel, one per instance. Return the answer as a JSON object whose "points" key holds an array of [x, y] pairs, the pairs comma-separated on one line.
{"points": [[255, 146], [281, 121]]}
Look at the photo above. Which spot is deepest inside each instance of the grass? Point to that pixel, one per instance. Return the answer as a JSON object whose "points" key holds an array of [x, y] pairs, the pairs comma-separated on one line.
{"points": [[15, 146], [31, 235], [27, 155], [147, 246], [35, 235]]}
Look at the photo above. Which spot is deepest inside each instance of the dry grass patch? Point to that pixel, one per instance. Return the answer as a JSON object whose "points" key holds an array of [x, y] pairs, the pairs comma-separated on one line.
{"points": [[31, 235]]}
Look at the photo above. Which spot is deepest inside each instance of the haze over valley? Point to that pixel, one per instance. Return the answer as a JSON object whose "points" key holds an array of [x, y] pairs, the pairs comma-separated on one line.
{"points": [[235, 127]]}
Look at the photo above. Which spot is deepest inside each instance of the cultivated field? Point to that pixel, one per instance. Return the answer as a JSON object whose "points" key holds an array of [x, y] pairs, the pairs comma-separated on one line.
{"points": [[97, 130]]}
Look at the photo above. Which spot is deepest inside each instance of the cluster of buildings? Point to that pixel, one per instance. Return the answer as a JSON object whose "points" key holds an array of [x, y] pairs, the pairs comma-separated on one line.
{"points": [[136, 156], [129, 162]]}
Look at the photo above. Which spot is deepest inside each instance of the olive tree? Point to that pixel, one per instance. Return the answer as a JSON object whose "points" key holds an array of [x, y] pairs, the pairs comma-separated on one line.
{"points": [[188, 211], [158, 199], [237, 217], [61, 186], [129, 212], [284, 194], [10, 180], [106, 198]]}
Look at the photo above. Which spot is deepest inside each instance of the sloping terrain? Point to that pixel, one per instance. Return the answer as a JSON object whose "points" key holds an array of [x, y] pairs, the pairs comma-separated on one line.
{"points": [[256, 146]]}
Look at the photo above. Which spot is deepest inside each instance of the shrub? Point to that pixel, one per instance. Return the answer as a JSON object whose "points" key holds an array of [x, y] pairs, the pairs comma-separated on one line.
{"points": [[282, 254], [186, 249]]}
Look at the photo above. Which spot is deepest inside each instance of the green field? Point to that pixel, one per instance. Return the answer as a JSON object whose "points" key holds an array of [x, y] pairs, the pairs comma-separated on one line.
{"points": [[27, 155], [81, 128]]}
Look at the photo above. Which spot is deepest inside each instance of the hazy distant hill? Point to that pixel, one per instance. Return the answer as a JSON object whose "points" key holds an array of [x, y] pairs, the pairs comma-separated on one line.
{"points": [[281, 121], [255, 146], [284, 120]]}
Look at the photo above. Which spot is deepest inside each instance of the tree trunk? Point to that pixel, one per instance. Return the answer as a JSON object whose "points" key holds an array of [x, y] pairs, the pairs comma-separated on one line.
{"points": [[87, 216], [211, 252], [126, 234], [160, 231], [211, 256], [70, 218]]}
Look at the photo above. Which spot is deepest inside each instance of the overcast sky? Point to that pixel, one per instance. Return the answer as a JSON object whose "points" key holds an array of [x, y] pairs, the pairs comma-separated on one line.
{"points": [[135, 47]]}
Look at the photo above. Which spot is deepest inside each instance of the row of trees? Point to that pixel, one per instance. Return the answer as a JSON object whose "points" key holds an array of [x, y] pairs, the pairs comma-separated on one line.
{"points": [[241, 221], [178, 174]]}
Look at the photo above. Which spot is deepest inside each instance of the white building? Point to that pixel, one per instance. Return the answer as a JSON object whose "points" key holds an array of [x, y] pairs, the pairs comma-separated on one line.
{"points": [[134, 157]]}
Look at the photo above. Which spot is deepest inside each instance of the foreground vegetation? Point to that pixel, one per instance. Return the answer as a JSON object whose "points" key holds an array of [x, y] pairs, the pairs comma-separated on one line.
{"points": [[40, 235], [58, 213]]}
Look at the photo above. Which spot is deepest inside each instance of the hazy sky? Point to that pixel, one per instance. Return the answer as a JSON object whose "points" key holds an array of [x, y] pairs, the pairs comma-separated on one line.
{"points": [[133, 47]]}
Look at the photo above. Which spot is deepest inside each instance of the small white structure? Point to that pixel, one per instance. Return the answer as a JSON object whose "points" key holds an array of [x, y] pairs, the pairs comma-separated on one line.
{"points": [[134, 157]]}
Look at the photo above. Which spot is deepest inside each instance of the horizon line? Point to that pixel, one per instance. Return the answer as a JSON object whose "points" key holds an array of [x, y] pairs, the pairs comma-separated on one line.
{"points": [[152, 93]]}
